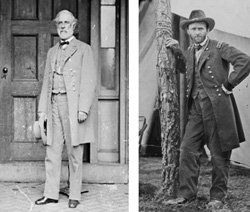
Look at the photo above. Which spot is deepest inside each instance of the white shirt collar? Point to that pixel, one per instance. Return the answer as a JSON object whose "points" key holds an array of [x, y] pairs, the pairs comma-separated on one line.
{"points": [[203, 42], [70, 39]]}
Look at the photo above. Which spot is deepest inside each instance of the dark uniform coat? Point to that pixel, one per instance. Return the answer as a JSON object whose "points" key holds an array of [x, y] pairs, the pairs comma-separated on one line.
{"points": [[214, 64], [80, 77]]}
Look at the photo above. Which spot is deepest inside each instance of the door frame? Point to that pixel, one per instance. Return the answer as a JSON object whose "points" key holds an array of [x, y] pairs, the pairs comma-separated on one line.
{"points": [[123, 66]]}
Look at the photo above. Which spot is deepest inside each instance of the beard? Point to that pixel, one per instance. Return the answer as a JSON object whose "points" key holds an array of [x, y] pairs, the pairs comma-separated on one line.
{"points": [[198, 39]]}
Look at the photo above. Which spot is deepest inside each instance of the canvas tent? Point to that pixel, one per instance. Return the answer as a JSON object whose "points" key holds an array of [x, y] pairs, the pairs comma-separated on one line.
{"points": [[231, 26]]}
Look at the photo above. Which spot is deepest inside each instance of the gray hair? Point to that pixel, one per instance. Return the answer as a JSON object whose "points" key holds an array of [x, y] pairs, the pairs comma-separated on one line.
{"points": [[75, 21]]}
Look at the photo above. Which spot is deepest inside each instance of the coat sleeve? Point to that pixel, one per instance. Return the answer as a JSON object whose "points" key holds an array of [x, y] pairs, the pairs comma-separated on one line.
{"points": [[42, 107], [180, 59], [88, 81], [240, 63]]}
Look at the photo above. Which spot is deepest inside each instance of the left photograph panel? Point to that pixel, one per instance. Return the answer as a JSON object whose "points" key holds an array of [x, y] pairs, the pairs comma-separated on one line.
{"points": [[64, 103]]}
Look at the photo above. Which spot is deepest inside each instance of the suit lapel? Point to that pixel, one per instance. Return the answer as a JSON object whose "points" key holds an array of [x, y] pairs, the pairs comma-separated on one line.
{"points": [[204, 56], [191, 62], [71, 49], [54, 54]]}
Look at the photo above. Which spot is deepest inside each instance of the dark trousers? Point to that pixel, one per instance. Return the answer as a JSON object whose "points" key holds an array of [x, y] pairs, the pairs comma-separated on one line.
{"points": [[201, 129]]}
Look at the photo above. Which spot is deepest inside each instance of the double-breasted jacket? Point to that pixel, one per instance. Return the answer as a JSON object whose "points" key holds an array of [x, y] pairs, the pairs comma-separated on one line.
{"points": [[79, 74], [214, 65]]}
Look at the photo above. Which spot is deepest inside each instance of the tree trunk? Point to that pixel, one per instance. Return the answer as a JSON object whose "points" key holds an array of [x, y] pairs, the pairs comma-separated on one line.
{"points": [[168, 102]]}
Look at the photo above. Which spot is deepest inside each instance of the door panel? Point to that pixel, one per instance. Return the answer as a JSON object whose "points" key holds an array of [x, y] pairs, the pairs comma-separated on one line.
{"points": [[25, 9], [26, 34], [71, 5], [108, 145], [109, 83], [24, 52]]}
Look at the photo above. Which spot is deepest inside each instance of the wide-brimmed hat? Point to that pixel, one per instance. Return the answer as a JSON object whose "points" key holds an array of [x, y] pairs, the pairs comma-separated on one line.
{"points": [[40, 129], [197, 16]]}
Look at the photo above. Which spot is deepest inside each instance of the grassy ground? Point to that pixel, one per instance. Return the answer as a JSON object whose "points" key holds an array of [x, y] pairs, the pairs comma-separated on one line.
{"points": [[238, 199]]}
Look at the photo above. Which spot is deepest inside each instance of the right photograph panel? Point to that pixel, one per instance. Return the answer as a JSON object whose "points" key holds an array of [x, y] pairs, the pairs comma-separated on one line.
{"points": [[194, 112]]}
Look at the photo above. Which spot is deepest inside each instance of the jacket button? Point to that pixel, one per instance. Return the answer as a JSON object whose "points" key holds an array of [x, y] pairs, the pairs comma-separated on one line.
{"points": [[210, 72], [216, 86], [217, 90], [208, 67], [212, 77], [219, 94]]}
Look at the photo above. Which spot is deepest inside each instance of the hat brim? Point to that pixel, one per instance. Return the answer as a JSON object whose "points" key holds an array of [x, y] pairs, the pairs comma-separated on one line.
{"points": [[184, 24], [39, 130]]}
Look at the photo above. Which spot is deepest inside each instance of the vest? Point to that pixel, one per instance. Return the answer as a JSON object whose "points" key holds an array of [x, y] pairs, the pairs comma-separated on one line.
{"points": [[58, 85], [198, 89]]}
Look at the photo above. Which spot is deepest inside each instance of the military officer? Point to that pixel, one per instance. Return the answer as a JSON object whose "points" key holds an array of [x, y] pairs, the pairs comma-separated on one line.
{"points": [[67, 96], [212, 116]]}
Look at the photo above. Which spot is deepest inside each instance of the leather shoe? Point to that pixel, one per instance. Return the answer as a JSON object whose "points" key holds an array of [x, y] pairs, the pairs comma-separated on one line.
{"points": [[45, 200], [73, 203], [178, 201]]}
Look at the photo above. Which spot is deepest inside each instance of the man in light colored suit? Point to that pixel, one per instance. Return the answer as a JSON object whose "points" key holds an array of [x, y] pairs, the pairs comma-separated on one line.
{"points": [[66, 101]]}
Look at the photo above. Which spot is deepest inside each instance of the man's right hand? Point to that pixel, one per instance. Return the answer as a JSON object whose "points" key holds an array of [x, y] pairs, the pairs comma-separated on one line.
{"points": [[172, 43], [180, 58]]}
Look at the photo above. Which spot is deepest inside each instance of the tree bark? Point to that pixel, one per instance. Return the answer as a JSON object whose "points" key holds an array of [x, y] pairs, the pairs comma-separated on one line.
{"points": [[168, 102]]}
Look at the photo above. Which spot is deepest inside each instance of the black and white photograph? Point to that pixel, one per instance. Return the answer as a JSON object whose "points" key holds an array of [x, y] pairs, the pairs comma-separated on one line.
{"points": [[64, 105], [194, 105]]}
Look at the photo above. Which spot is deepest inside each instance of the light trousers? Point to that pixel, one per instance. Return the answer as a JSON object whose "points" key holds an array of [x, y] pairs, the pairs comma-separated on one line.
{"points": [[61, 136]]}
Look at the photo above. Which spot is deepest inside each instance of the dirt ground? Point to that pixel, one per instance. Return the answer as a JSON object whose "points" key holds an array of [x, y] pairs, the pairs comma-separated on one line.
{"points": [[238, 199]]}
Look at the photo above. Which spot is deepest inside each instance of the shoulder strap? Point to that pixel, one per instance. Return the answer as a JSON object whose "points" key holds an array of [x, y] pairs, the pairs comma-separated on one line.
{"points": [[191, 47], [219, 44]]}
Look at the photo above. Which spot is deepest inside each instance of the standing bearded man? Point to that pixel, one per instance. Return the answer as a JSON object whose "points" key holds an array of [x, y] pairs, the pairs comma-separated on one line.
{"points": [[212, 115], [68, 93]]}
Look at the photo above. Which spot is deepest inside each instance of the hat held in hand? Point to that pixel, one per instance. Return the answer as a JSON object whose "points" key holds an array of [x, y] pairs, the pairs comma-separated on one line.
{"points": [[198, 16], [40, 129]]}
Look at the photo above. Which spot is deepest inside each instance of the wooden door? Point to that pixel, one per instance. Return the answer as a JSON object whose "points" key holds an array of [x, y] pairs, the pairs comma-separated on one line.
{"points": [[26, 34]]}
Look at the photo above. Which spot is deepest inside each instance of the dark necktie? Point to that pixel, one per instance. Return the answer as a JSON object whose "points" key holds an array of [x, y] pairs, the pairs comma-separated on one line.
{"points": [[198, 47], [64, 43]]}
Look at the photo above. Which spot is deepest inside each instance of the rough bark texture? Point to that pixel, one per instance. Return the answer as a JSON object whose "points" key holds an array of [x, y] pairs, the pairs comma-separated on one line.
{"points": [[168, 102]]}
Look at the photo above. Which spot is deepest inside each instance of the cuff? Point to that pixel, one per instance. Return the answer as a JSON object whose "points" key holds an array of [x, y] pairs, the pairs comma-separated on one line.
{"points": [[83, 112], [225, 90], [228, 86]]}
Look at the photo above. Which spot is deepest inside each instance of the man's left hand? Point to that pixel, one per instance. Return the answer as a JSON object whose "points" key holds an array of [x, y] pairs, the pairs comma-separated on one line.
{"points": [[82, 116], [225, 90]]}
